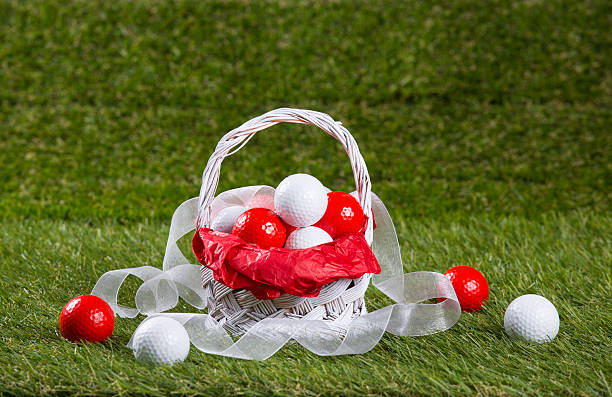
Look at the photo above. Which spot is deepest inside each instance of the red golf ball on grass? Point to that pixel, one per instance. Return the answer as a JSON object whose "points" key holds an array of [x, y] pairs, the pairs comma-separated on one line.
{"points": [[470, 286], [262, 227], [87, 318]]}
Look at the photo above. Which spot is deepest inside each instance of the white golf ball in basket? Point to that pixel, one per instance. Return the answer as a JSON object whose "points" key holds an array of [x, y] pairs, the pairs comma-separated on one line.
{"points": [[161, 341], [307, 237], [301, 200], [225, 219], [532, 318]]}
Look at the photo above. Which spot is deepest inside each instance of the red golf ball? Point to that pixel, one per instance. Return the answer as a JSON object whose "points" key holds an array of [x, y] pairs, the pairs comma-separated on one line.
{"points": [[87, 318], [343, 215], [470, 286], [262, 227]]}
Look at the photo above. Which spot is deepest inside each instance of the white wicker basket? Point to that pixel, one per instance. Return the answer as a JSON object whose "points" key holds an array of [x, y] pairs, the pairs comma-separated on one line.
{"points": [[338, 302]]}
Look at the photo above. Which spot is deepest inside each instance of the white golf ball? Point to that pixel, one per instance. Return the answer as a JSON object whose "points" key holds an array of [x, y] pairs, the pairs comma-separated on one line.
{"points": [[532, 318], [301, 200], [307, 237], [161, 341], [225, 219]]}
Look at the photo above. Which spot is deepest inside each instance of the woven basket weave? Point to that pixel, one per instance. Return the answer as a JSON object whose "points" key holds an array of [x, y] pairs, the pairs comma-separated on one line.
{"points": [[338, 302]]}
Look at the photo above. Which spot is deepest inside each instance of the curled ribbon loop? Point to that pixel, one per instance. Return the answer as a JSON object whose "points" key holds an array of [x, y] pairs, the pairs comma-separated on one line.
{"points": [[407, 317]]}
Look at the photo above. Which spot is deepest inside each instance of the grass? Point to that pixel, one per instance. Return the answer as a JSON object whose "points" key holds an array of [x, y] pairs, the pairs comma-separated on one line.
{"points": [[562, 257], [485, 126]]}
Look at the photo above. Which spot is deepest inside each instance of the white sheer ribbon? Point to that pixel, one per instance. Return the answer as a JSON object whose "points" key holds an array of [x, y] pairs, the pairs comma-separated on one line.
{"points": [[162, 288]]}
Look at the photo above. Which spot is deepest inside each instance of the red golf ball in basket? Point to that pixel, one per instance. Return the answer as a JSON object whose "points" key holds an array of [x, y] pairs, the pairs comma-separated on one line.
{"points": [[87, 318], [343, 215], [470, 286], [262, 227]]}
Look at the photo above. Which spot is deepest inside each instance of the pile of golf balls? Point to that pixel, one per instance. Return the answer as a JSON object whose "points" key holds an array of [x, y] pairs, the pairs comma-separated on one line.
{"points": [[302, 214]]}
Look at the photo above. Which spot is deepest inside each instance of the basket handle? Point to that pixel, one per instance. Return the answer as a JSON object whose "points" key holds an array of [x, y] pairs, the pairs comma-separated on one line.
{"points": [[241, 135]]}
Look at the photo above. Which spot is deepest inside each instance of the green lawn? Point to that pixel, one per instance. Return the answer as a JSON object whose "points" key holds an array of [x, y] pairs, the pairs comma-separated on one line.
{"points": [[487, 132]]}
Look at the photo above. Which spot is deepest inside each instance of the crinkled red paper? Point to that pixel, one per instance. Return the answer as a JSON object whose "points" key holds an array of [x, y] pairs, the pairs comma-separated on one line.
{"points": [[268, 273]]}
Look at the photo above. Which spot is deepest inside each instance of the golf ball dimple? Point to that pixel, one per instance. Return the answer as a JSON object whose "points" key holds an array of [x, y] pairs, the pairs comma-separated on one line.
{"points": [[307, 237], [300, 200], [532, 318], [161, 341], [225, 219]]}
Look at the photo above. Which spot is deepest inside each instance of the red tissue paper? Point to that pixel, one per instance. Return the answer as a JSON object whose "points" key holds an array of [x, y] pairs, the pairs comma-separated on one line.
{"points": [[268, 273]]}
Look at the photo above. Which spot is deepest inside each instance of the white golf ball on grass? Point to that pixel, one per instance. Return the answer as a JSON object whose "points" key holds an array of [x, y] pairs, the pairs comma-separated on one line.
{"points": [[161, 341], [532, 318]]}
